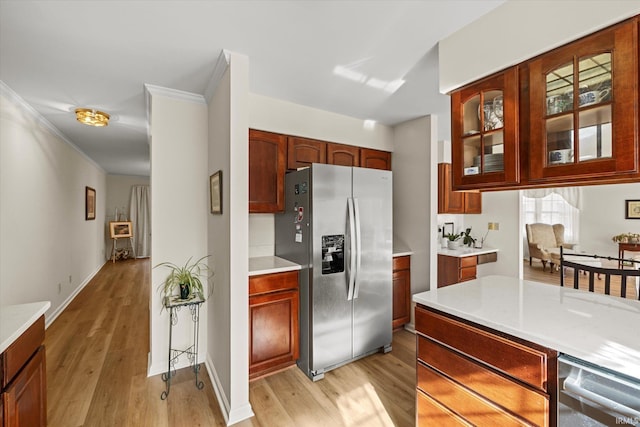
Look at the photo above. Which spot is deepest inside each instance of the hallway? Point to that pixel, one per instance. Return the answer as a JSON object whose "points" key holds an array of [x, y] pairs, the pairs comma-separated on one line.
{"points": [[97, 353]]}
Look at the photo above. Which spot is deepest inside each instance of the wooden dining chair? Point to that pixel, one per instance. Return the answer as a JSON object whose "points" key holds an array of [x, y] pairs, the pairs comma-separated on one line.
{"points": [[592, 271]]}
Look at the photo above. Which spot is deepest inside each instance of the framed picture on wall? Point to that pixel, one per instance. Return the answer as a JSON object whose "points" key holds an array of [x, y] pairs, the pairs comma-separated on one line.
{"points": [[89, 203], [120, 229], [215, 188], [632, 209]]}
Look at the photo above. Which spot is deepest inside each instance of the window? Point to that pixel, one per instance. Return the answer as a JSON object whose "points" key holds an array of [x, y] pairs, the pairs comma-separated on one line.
{"points": [[552, 209]]}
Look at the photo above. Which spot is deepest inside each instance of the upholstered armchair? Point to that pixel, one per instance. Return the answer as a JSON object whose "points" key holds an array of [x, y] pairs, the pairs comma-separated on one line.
{"points": [[543, 239]]}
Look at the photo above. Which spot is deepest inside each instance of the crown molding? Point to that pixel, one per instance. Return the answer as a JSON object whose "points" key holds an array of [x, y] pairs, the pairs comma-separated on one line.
{"points": [[222, 64], [179, 95], [18, 101]]}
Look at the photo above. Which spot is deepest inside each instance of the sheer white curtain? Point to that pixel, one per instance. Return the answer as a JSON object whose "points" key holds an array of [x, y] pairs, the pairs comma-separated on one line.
{"points": [[553, 206], [140, 214]]}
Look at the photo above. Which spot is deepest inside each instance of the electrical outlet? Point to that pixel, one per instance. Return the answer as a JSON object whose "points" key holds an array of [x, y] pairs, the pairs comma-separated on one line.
{"points": [[59, 288]]}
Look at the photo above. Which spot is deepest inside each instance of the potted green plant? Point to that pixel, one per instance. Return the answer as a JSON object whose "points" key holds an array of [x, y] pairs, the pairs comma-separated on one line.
{"points": [[466, 237], [186, 279], [453, 239]]}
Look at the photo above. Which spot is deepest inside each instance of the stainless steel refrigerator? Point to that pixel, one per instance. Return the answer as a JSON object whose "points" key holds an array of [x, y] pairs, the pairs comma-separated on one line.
{"points": [[338, 225]]}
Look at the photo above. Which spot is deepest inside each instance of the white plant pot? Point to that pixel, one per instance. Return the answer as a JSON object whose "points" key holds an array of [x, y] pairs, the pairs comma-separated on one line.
{"points": [[452, 245]]}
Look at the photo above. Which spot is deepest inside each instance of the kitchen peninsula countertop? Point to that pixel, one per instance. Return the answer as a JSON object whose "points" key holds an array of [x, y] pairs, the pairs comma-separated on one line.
{"points": [[270, 265], [15, 319], [465, 251], [597, 328]]}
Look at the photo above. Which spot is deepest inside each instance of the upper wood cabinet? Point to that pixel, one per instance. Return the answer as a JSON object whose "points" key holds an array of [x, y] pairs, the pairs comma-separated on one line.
{"points": [[455, 202], [567, 117], [304, 151], [344, 155], [267, 161], [484, 116], [375, 159], [583, 108]]}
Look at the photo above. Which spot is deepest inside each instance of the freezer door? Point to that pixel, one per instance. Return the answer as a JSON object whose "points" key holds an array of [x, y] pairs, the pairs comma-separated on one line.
{"points": [[372, 192], [331, 311]]}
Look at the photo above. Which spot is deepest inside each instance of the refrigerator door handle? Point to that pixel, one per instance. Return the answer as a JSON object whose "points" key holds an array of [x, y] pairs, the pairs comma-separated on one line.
{"points": [[358, 247], [352, 250]]}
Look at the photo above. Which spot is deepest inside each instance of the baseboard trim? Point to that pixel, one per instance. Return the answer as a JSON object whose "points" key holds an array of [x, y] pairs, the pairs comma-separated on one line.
{"points": [[58, 311], [231, 416]]}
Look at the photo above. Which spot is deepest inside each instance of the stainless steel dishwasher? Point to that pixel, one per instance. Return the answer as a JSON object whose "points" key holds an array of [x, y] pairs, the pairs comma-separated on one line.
{"points": [[592, 396]]}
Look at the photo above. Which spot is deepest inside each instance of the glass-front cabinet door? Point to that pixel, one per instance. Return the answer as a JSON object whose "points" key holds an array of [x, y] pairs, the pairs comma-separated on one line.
{"points": [[484, 132], [582, 108]]}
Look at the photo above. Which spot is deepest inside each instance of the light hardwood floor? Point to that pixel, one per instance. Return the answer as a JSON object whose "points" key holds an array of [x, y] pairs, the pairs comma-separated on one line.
{"points": [[97, 360]]}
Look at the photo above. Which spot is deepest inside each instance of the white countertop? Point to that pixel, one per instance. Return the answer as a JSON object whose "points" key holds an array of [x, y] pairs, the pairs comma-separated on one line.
{"points": [[270, 265], [15, 319], [400, 249], [598, 328], [464, 251]]}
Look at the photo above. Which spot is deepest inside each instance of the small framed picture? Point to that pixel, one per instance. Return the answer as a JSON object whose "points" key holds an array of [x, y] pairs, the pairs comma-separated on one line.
{"points": [[89, 203], [632, 209], [215, 190], [120, 229]]}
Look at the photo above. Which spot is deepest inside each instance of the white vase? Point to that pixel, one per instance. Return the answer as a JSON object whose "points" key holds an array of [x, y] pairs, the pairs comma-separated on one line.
{"points": [[452, 244]]}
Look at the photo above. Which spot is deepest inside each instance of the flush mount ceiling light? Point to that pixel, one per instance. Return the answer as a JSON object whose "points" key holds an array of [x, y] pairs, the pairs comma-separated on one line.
{"points": [[91, 117]]}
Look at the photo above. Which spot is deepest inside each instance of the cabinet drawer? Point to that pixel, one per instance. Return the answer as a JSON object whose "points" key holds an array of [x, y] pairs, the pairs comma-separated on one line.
{"points": [[273, 282], [524, 363], [401, 263], [431, 413], [468, 405], [21, 350], [529, 404], [468, 261], [467, 273]]}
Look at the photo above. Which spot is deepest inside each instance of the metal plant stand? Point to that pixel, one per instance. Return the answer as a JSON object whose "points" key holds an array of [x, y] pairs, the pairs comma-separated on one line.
{"points": [[174, 304]]}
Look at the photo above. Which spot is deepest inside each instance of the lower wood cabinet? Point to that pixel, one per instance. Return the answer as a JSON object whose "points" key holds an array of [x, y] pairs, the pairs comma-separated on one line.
{"points": [[23, 376], [273, 322], [401, 291], [453, 269], [471, 375]]}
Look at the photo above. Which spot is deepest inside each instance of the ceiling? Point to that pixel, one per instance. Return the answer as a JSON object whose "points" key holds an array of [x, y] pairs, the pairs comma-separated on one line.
{"points": [[348, 57]]}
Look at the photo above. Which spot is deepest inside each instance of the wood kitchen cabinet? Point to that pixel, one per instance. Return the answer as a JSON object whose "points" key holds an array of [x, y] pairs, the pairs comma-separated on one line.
{"points": [[401, 291], [455, 202], [23, 377], [484, 120], [375, 159], [583, 109], [344, 155], [267, 166], [569, 116], [471, 375], [454, 269], [273, 322], [304, 151]]}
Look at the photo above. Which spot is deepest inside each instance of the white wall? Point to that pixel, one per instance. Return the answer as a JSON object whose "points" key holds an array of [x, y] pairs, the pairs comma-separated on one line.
{"points": [[502, 207], [48, 251], [228, 241], [179, 207], [603, 216], [118, 197], [415, 196], [279, 116], [521, 29]]}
